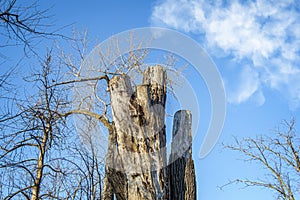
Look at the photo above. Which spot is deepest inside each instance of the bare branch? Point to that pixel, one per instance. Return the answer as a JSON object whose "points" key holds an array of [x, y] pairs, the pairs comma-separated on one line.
{"points": [[278, 156], [105, 77]]}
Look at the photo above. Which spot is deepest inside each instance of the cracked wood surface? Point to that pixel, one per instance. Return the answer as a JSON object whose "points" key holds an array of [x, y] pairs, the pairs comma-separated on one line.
{"points": [[136, 163]]}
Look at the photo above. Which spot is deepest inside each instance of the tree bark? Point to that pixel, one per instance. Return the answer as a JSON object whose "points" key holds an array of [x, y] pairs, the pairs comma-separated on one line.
{"points": [[40, 163], [155, 79], [181, 165], [115, 181]]}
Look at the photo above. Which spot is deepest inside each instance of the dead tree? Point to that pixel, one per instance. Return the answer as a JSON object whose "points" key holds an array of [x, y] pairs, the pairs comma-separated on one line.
{"points": [[136, 162], [181, 168]]}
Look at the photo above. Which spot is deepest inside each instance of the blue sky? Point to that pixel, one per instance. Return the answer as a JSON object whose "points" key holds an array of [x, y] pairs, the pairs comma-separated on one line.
{"points": [[254, 44]]}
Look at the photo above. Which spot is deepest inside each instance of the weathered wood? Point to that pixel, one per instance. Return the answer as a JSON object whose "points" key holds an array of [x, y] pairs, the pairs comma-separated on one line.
{"points": [[155, 78], [136, 164], [190, 180], [131, 142], [115, 181], [182, 182]]}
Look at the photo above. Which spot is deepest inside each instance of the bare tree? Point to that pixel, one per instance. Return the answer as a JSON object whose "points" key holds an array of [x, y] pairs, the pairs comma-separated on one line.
{"points": [[41, 156], [278, 155], [22, 24], [92, 170], [29, 133]]}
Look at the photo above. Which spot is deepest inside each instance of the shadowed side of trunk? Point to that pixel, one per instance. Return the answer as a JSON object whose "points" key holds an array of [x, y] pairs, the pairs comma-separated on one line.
{"points": [[182, 180]]}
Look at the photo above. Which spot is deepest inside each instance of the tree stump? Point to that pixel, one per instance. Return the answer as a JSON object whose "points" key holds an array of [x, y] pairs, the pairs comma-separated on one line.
{"points": [[136, 161]]}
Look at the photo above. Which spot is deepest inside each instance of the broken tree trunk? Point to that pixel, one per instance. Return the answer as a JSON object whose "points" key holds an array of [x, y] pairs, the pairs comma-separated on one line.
{"points": [[181, 165], [137, 141]]}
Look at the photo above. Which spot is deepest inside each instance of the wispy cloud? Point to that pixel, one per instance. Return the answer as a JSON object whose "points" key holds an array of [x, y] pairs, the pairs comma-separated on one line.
{"points": [[245, 87], [264, 33]]}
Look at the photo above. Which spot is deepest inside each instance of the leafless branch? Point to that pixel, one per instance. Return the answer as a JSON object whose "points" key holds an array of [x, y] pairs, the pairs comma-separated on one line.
{"points": [[278, 156]]}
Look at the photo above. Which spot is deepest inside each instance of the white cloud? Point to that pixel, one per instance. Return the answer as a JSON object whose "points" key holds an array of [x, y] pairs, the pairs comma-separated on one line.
{"points": [[266, 33], [177, 15], [259, 98], [241, 90]]}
